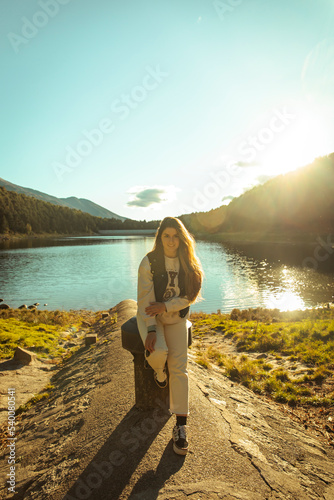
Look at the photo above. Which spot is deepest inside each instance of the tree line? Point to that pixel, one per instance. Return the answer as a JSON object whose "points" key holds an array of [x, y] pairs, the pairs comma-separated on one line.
{"points": [[27, 215]]}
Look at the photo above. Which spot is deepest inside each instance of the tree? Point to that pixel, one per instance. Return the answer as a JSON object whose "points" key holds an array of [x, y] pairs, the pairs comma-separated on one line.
{"points": [[4, 227]]}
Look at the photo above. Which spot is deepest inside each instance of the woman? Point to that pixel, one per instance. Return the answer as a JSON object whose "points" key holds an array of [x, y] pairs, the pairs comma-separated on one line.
{"points": [[169, 280]]}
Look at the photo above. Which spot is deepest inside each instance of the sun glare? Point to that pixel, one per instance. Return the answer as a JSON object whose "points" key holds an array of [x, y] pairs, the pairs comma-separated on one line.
{"points": [[303, 140], [285, 301]]}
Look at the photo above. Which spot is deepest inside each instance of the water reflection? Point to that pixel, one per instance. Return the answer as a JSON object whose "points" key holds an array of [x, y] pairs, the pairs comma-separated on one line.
{"points": [[272, 276], [97, 272]]}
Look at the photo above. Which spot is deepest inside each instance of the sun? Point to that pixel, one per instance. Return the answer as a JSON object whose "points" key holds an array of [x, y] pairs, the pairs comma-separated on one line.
{"points": [[305, 138]]}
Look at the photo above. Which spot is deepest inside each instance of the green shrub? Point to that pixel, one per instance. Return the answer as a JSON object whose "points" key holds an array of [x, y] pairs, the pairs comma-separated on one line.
{"points": [[304, 336]]}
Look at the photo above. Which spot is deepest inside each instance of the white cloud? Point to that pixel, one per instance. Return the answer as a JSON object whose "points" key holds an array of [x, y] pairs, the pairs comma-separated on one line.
{"points": [[151, 196]]}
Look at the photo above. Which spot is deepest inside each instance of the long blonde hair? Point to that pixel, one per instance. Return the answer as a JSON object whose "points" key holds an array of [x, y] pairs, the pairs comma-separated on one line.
{"points": [[186, 252]]}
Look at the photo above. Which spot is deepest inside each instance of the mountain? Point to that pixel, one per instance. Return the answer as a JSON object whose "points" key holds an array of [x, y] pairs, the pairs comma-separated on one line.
{"points": [[301, 201], [82, 204]]}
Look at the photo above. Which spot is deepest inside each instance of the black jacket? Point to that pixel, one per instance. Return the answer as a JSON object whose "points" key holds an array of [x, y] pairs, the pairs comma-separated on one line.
{"points": [[160, 278]]}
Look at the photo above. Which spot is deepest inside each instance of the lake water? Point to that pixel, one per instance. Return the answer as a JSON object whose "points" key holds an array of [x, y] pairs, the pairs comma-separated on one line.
{"points": [[98, 272]]}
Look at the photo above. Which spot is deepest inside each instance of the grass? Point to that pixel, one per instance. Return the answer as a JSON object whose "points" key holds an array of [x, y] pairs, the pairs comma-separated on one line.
{"points": [[304, 336], [35, 399], [39, 331]]}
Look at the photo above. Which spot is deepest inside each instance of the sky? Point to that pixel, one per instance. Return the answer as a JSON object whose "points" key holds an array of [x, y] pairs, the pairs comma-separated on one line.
{"points": [[156, 108]]}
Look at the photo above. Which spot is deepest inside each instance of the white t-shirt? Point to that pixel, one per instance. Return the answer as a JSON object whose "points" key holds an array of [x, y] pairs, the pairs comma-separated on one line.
{"points": [[172, 265]]}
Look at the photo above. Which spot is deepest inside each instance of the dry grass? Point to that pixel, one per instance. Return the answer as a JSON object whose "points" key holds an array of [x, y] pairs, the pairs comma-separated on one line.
{"points": [[304, 336]]}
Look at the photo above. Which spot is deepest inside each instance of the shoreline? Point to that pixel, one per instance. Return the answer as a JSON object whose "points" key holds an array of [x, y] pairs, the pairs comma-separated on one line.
{"points": [[34, 236], [237, 238], [112, 232], [243, 238]]}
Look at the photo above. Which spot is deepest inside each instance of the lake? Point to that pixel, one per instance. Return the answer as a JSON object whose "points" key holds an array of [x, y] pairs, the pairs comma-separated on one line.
{"points": [[97, 272]]}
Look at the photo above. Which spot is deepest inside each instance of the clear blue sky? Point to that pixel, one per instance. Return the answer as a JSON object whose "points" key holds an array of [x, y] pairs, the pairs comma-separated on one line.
{"points": [[195, 100]]}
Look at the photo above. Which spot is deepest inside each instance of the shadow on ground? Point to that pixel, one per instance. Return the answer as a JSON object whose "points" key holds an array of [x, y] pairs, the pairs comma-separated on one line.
{"points": [[109, 472], [154, 480]]}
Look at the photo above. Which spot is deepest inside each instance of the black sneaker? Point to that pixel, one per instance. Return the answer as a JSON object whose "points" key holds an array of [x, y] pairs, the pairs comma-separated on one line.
{"points": [[180, 443], [163, 384]]}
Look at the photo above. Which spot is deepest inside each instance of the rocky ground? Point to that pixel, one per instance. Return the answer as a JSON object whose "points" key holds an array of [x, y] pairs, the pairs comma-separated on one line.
{"points": [[319, 421], [89, 441], [30, 380]]}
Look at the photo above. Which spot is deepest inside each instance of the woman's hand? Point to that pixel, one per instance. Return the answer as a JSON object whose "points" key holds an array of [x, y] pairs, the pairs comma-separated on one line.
{"points": [[155, 308], [150, 341]]}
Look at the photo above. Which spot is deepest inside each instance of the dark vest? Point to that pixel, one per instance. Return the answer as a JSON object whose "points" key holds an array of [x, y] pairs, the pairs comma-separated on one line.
{"points": [[160, 278]]}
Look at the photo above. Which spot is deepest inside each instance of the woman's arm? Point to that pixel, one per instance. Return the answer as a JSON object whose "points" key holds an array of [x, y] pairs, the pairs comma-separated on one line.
{"points": [[176, 304], [145, 292]]}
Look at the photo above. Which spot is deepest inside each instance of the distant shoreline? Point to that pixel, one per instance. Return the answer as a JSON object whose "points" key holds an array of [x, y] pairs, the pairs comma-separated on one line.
{"points": [[114, 232], [240, 238], [237, 238], [33, 236], [127, 232]]}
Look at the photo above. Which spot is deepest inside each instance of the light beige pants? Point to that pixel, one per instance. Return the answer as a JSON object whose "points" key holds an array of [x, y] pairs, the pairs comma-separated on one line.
{"points": [[171, 346]]}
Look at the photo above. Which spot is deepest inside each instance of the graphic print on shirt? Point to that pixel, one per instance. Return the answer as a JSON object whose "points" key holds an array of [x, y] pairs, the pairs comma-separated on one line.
{"points": [[170, 291]]}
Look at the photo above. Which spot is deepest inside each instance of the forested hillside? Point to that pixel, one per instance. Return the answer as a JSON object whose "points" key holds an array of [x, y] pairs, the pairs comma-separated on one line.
{"points": [[300, 201], [26, 215], [72, 202]]}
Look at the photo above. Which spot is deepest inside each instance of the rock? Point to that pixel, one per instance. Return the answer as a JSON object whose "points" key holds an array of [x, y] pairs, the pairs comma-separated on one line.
{"points": [[4, 306], [1, 300], [105, 315], [32, 307], [24, 306], [36, 304], [90, 339], [23, 356], [45, 304]]}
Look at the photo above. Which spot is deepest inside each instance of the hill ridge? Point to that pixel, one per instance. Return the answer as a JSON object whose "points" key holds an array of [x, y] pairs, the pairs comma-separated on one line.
{"points": [[73, 202], [300, 201]]}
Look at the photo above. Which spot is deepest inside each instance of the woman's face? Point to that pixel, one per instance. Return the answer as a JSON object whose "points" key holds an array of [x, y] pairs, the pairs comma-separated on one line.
{"points": [[170, 241]]}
